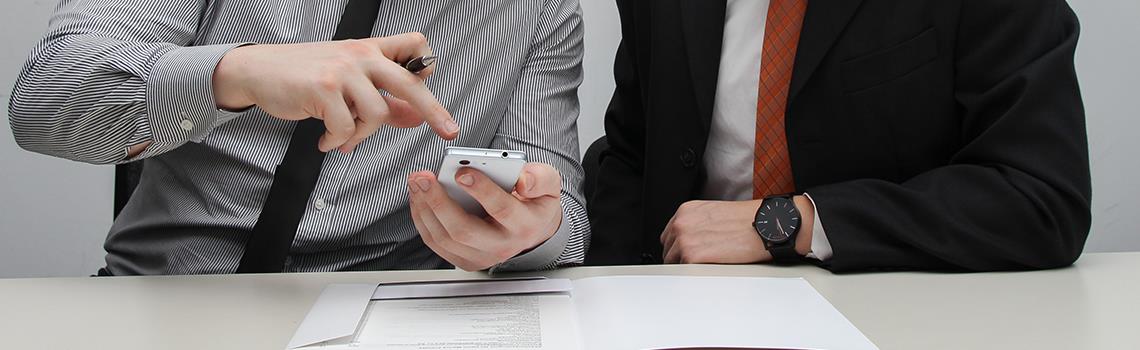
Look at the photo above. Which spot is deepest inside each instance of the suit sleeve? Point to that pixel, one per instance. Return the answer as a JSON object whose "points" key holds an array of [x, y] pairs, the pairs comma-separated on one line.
{"points": [[1017, 194], [616, 210]]}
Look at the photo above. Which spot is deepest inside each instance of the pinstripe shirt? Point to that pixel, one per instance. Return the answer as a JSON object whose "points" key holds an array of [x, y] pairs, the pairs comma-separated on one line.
{"points": [[110, 74]]}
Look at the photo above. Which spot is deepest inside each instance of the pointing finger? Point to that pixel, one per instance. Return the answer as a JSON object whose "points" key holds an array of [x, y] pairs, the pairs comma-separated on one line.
{"points": [[406, 86], [402, 114]]}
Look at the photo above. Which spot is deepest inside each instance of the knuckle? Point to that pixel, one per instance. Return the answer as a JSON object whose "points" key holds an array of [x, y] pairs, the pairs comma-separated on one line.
{"points": [[341, 63], [688, 216], [418, 38], [688, 244], [360, 134], [327, 82], [682, 242], [366, 118], [683, 222]]}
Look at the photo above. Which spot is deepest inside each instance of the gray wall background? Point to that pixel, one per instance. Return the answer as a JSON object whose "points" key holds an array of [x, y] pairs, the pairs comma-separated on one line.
{"points": [[55, 213]]}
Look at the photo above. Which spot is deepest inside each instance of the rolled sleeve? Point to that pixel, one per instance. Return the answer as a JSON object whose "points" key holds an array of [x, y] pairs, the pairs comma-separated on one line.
{"points": [[180, 102]]}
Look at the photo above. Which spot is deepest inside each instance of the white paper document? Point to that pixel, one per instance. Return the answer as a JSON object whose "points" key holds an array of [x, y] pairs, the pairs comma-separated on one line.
{"points": [[534, 321], [615, 312]]}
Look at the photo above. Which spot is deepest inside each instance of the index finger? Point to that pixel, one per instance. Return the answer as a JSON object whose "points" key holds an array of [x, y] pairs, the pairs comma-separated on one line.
{"points": [[392, 77]]}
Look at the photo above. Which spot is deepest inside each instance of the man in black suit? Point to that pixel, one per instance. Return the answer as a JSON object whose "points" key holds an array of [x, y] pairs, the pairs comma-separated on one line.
{"points": [[881, 134]]}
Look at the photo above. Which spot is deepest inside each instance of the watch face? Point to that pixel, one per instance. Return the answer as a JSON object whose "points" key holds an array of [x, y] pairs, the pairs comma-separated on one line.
{"points": [[777, 220]]}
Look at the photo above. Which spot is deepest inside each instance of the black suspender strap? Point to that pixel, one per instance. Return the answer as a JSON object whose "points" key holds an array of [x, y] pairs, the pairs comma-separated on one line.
{"points": [[296, 176]]}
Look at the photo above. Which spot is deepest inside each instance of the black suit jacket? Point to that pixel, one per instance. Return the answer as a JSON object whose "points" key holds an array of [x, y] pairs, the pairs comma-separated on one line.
{"points": [[932, 134]]}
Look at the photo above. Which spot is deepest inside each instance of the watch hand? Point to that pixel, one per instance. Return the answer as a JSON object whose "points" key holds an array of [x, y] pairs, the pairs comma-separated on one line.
{"points": [[781, 227]]}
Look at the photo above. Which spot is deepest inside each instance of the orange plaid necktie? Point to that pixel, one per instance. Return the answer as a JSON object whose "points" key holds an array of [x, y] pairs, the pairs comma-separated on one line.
{"points": [[772, 168]]}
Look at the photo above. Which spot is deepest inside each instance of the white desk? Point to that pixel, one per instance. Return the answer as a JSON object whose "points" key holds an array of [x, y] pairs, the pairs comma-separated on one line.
{"points": [[1093, 305]]}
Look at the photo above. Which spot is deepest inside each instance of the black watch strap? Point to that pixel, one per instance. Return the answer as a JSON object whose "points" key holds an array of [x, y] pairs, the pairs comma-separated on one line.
{"points": [[784, 253]]}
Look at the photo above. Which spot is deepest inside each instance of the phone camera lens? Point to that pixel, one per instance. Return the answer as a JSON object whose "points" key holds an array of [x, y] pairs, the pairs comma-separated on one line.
{"points": [[505, 154], [464, 162]]}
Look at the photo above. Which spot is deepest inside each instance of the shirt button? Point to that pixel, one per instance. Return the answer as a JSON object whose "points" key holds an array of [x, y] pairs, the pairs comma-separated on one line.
{"points": [[320, 204], [186, 124], [689, 158]]}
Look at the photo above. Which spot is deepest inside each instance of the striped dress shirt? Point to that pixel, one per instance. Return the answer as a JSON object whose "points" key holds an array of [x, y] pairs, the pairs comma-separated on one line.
{"points": [[110, 74]]}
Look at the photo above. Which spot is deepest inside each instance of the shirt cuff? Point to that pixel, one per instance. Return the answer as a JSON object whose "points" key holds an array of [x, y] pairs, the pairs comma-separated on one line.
{"points": [[820, 247], [180, 102], [542, 256]]}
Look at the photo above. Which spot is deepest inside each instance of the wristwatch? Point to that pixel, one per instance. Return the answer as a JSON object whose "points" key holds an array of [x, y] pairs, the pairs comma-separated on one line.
{"points": [[777, 222]]}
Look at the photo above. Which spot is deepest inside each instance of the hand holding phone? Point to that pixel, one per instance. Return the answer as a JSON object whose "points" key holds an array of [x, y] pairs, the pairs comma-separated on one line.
{"points": [[502, 166], [523, 200]]}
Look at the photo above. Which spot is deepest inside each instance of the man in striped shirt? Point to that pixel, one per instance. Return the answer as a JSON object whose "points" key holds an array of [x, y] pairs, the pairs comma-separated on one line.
{"points": [[207, 94]]}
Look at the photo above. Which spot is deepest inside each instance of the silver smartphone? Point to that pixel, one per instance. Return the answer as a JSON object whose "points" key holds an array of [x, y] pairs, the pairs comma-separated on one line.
{"points": [[502, 166]]}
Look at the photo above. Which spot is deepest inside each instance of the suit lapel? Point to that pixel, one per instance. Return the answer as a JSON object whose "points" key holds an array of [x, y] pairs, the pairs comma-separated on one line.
{"points": [[702, 23], [824, 21]]}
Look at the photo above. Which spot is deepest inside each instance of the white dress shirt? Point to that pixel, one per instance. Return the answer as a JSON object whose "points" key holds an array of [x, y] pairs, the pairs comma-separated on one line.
{"points": [[732, 137]]}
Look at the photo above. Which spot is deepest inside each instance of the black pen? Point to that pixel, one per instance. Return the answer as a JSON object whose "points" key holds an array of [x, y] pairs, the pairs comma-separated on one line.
{"points": [[418, 64]]}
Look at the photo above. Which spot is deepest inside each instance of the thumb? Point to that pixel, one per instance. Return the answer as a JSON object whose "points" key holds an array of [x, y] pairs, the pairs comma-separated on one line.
{"points": [[539, 180]]}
